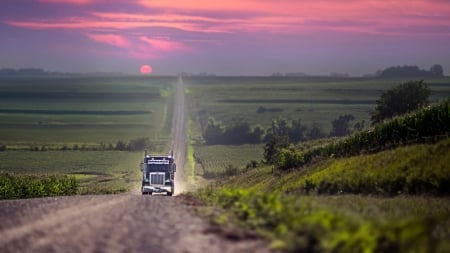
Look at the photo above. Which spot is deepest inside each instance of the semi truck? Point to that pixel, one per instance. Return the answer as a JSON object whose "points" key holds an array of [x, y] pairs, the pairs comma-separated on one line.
{"points": [[158, 173]]}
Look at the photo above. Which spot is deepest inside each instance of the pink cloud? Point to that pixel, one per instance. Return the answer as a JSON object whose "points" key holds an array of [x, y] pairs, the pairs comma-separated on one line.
{"points": [[111, 39], [293, 16], [164, 45], [286, 17], [79, 2], [112, 23]]}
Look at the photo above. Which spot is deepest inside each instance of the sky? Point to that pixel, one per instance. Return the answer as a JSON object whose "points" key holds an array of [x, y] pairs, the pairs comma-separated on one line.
{"points": [[233, 37]]}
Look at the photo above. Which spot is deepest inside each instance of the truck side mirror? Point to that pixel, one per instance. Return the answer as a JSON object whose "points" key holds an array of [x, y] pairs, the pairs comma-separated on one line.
{"points": [[174, 167], [142, 166]]}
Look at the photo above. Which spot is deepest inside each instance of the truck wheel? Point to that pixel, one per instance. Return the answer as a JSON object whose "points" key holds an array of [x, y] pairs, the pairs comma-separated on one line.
{"points": [[169, 194]]}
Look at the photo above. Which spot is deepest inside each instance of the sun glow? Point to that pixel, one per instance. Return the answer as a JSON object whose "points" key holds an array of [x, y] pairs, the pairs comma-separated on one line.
{"points": [[146, 69]]}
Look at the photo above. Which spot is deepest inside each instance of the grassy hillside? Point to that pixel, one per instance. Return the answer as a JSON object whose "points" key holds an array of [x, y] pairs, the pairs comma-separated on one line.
{"points": [[310, 210], [416, 169], [304, 204]]}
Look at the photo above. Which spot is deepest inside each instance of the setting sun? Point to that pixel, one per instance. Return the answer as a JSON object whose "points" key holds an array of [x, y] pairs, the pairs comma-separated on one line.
{"points": [[146, 69]]}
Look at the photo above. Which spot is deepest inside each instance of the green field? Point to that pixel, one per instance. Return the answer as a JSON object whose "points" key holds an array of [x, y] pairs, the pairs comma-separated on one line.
{"points": [[72, 125], [313, 99], [212, 160], [82, 110]]}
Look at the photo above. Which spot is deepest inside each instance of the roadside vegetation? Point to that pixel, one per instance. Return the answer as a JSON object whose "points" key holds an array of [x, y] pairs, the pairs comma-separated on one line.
{"points": [[341, 223], [14, 186]]}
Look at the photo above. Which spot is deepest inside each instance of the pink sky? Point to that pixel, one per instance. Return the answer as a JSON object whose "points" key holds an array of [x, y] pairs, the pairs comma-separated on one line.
{"points": [[243, 37]]}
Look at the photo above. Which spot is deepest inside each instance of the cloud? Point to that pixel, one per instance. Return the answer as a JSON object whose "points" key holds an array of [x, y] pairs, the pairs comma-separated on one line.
{"points": [[111, 39], [305, 15], [124, 21], [164, 44], [78, 2], [282, 17]]}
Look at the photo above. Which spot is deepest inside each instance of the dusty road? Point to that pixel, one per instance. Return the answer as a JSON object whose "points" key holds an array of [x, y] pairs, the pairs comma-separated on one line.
{"points": [[117, 223], [179, 135]]}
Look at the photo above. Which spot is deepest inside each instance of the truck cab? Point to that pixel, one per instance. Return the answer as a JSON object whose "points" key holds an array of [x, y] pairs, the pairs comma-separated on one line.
{"points": [[158, 174]]}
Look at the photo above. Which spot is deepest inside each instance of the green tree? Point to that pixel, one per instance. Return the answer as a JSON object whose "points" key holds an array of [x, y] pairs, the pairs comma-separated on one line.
{"points": [[120, 145], [297, 131], [280, 127], [401, 99], [238, 133], [274, 146], [341, 125], [214, 132], [315, 132], [139, 144]]}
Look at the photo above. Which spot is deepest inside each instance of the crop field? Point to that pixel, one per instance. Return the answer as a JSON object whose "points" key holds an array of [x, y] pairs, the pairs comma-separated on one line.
{"points": [[213, 160], [314, 100], [72, 125], [81, 110]]}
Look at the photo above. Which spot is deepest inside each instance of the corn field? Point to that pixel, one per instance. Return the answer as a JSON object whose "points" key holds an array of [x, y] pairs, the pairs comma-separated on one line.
{"points": [[427, 124], [13, 186]]}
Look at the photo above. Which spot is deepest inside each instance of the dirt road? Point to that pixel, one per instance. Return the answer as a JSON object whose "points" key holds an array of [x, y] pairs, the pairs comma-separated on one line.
{"points": [[117, 223], [179, 135]]}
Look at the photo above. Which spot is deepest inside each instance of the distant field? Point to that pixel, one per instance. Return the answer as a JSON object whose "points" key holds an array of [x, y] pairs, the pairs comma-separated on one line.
{"points": [[82, 110], [63, 119], [313, 99]]}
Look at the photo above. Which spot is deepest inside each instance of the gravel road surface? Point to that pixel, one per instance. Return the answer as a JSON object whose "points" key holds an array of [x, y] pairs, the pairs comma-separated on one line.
{"points": [[118, 223]]}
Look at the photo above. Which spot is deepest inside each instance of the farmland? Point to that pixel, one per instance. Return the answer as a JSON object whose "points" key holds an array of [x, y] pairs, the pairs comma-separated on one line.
{"points": [[382, 189], [313, 100], [74, 124]]}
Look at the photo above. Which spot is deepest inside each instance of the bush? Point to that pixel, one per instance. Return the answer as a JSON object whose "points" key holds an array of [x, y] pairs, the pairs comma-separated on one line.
{"points": [[289, 158]]}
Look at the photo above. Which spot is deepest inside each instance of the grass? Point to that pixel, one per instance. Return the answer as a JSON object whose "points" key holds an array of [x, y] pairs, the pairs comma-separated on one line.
{"points": [[418, 169], [214, 159]]}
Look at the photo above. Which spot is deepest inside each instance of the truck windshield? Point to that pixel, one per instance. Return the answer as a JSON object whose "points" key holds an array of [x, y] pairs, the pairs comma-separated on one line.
{"points": [[157, 167]]}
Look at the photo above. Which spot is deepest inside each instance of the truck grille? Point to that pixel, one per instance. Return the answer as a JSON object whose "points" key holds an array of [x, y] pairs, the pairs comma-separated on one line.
{"points": [[157, 178]]}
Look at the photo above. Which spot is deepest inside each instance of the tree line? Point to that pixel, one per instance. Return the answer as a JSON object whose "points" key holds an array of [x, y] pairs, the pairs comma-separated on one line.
{"points": [[411, 71], [403, 98], [240, 132]]}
